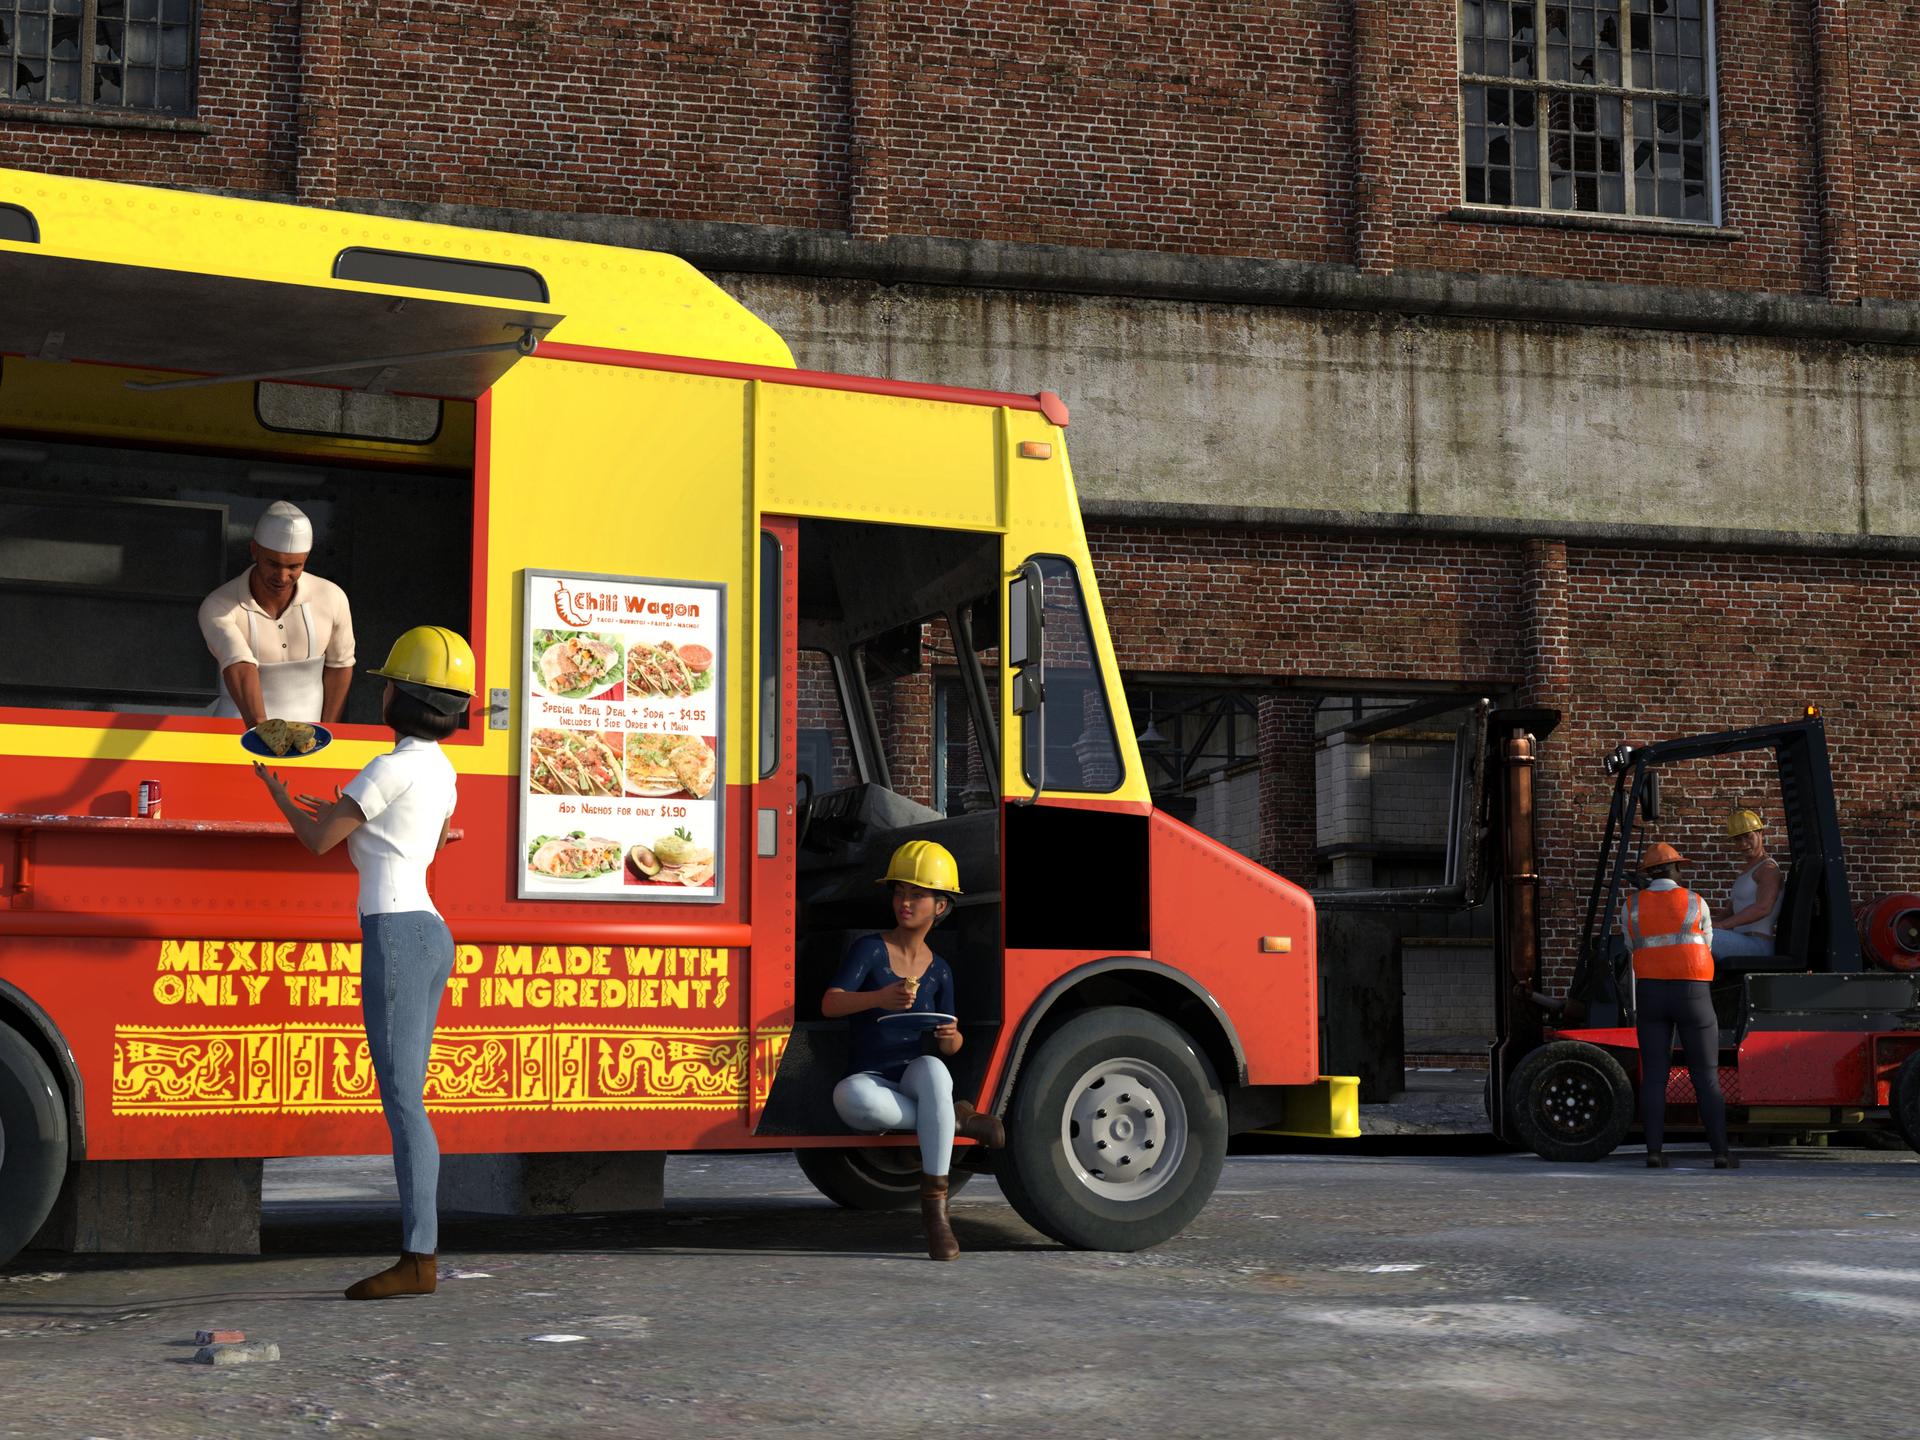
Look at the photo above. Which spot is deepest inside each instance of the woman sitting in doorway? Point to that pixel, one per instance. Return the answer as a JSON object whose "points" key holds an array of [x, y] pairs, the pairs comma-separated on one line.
{"points": [[893, 1085]]}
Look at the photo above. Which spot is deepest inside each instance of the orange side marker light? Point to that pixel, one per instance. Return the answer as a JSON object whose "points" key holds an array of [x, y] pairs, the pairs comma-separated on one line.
{"points": [[1276, 944], [1036, 449]]}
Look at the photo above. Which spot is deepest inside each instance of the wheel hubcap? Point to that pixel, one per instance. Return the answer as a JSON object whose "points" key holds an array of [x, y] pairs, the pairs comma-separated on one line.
{"points": [[1125, 1128], [1571, 1100]]}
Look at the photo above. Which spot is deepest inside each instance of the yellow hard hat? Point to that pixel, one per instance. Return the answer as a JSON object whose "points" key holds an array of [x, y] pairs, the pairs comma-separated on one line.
{"points": [[923, 863], [434, 663], [1744, 822]]}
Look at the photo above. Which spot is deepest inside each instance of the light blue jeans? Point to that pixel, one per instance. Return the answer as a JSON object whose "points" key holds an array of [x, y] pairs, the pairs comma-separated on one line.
{"points": [[404, 963], [1733, 942], [920, 1100]]}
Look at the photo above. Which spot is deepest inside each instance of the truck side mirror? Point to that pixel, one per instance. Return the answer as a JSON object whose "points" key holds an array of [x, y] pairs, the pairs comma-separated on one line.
{"points": [[1029, 694], [1026, 618], [1027, 657]]}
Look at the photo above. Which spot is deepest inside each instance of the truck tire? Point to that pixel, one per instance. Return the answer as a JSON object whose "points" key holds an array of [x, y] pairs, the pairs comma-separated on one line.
{"points": [[1571, 1101], [871, 1177], [1117, 1133], [33, 1142], [1903, 1100]]}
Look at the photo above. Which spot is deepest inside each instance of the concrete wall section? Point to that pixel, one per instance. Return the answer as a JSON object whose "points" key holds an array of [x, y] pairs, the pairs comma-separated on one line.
{"points": [[1285, 411]]}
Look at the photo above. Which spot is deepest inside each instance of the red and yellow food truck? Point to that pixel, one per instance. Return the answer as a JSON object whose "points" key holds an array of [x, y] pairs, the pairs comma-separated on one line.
{"points": [[742, 629]]}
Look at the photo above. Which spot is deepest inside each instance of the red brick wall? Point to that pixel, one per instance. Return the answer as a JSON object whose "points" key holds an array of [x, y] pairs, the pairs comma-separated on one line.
{"points": [[1634, 644], [249, 85], [1216, 127]]}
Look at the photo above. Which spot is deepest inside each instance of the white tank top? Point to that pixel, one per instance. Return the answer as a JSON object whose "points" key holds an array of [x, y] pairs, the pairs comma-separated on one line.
{"points": [[1746, 891]]}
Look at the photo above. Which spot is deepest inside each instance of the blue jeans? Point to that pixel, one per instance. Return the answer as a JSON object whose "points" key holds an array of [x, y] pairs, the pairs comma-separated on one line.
{"points": [[404, 963], [920, 1100], [1733, 942]]}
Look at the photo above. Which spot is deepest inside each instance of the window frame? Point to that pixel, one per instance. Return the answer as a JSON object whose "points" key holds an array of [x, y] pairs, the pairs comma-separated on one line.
{"points": [[477, 723], [89, 21], [1628, 94], [1095, 662]]}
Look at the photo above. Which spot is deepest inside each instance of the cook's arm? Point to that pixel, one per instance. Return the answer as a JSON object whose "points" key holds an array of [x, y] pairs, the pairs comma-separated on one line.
{"points": [[243, 684], [335, 682]]}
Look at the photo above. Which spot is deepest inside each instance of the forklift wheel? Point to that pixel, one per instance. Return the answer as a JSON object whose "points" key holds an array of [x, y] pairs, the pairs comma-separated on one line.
{"points": [[1904, 1101], [1571, 1101]]}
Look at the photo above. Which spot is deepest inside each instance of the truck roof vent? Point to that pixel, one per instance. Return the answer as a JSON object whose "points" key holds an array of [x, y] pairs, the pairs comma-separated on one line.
{"points": [[432, 272], [17, 223]]}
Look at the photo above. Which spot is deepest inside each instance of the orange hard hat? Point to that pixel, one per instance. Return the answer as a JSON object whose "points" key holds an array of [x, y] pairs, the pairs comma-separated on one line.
{"points": [[1661, 854]]}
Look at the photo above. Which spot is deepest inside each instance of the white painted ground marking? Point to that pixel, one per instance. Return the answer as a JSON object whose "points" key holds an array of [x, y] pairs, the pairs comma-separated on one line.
{"points": [[1865, 1274], [455, 1274], [556, 1339], [1396, 1269], [1873, 1304], [1489, 1321], [34, 1278]]}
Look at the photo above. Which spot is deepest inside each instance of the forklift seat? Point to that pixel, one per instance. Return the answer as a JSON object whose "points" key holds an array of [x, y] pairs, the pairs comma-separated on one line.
{"points": [[1791, 927]]}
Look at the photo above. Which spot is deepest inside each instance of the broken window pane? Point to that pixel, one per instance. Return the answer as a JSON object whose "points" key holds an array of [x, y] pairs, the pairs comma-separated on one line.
{"points": [[1584, 47]]}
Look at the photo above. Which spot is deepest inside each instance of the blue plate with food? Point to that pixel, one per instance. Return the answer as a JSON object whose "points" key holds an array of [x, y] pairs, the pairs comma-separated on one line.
{"points": [[286, 739], [917, 1019]]}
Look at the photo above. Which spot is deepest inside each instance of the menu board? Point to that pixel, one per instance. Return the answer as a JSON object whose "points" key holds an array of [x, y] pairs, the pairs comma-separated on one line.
{"points": [[623, 774]]}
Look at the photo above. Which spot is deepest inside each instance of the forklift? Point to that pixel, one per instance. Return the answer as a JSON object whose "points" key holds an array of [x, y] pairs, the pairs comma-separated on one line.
{"points": [[1822, 1035]]}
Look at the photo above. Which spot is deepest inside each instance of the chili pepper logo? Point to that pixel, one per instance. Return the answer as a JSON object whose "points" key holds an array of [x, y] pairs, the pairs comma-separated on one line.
{"points": [[568, 609]]}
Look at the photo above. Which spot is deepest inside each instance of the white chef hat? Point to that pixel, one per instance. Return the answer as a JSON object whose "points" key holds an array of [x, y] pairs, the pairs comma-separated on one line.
{"points": [[284, 530]]}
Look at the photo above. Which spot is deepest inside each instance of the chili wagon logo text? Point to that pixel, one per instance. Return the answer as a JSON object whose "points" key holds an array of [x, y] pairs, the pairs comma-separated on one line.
{"points": [[580, 608], [239, 974]]}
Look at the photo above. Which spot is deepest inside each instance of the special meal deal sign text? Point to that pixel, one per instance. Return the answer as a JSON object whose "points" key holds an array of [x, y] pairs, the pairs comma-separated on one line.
{"points": [[623, 773]]}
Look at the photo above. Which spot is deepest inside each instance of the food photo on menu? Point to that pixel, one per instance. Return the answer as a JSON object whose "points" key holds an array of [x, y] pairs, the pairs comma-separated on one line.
{"points": [[672, 858], [668, 669], [575, 762], [577, 664], [666, 765], [573, 856]]}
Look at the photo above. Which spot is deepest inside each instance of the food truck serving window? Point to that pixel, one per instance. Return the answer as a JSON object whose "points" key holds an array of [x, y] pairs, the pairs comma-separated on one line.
{"points": [[107, 551]]}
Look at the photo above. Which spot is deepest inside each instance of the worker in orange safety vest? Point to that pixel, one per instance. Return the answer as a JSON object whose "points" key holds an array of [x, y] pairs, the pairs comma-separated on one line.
{"points": [[1670, 932]]}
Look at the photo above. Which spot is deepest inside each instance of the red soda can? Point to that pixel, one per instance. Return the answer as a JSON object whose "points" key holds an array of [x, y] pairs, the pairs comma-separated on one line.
{"points": [[150, 799]]}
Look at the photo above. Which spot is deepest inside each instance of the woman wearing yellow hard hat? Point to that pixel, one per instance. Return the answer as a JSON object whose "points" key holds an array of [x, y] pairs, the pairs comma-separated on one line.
{"points": [[1754, 902], [893, 990], [393, 817]]}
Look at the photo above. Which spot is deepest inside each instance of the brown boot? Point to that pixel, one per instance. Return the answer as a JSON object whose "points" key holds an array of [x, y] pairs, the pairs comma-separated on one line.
{"points": [[987, 1129], [410, 1275], [933, 1211]]}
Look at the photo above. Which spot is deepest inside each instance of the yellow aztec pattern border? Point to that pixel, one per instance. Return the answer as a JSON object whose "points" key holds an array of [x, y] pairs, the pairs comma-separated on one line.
{"points": [[319, 1069]]}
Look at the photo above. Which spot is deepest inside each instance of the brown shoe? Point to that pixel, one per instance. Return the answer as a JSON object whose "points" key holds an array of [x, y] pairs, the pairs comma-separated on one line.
{"points": [[410, 1275], [987, 1129], [933, 1212]]}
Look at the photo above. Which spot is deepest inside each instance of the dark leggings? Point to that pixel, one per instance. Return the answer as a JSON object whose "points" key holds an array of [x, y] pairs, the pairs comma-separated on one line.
{"points": [[1662, 1007]]}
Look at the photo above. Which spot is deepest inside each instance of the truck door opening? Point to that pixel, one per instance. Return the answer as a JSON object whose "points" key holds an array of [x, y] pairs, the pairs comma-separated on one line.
{"points": [[896, 681]]}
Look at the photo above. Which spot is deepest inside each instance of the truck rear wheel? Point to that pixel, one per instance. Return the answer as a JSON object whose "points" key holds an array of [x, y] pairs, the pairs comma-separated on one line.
{"points": [[871, 1177], [1571, 1101], [1903, 1101], [1117, 1133], [33, 1142]]}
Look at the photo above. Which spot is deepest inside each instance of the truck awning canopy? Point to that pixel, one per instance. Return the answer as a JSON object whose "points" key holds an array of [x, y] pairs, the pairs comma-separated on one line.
{"points": [[60, 308]]}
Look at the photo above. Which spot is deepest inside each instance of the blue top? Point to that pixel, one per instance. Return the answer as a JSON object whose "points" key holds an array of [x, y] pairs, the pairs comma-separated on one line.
{"points": [[888, 1049]]}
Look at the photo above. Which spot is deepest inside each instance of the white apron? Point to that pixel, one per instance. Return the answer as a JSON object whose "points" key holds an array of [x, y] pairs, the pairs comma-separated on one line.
{"points": [[289, 689]]}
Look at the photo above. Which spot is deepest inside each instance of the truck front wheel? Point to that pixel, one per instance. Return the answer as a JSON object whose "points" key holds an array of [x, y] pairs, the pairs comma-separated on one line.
{"points": [[1117, 1132], [33, 1142]]}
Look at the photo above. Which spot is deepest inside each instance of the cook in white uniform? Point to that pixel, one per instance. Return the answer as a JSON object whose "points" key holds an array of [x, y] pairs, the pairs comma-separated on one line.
{"points": [[283, 639]]}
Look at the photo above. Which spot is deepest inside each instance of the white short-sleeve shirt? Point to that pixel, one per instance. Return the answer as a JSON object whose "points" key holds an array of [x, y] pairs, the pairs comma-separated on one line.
{"points": [[407, 795]]}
